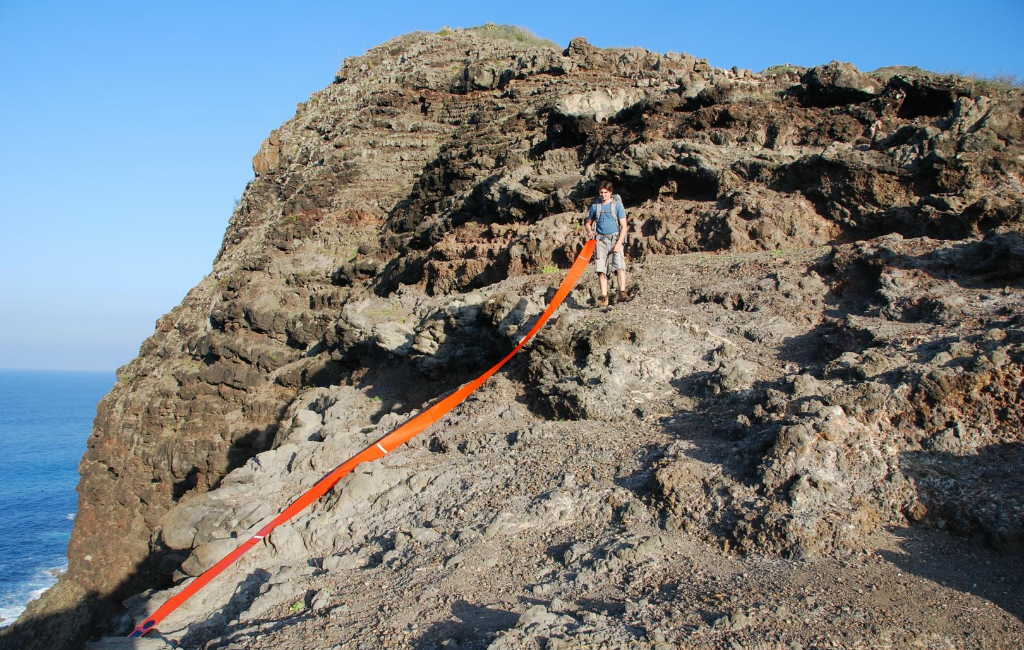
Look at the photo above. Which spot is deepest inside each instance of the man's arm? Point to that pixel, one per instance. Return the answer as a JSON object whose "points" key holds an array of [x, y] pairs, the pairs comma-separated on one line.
{"points": [[620, 212], [588, 223], [622, 236]]}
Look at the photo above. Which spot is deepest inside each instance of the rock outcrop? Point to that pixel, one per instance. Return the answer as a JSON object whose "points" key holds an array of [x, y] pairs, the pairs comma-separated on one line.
{"points": [[826, 345]]}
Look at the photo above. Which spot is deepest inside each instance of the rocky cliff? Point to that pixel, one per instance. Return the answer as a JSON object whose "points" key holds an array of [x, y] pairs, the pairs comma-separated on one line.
{"points": [[825, 347]]}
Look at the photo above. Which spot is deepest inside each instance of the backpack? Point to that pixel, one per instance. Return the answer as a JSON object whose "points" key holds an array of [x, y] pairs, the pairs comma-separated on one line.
{"points": [[616, 201]]}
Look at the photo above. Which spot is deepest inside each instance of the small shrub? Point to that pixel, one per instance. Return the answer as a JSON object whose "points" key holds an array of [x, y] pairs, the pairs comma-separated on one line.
{"points": [[549, 269], [1010, 80], [512, 33], [992, 84]]}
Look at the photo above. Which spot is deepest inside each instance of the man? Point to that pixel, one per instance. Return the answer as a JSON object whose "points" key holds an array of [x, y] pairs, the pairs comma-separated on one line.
{"points": [[607, 221]]}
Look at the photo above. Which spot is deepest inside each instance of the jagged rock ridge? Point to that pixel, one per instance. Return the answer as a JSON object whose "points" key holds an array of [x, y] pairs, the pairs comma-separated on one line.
{"points": [[402, 228]]}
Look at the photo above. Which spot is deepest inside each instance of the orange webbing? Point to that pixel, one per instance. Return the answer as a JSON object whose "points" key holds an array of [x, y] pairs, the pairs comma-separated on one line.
{"points": [[377, 450]]}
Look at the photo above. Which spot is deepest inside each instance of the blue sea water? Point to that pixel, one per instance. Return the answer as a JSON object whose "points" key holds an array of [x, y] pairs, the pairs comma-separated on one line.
{"points": [[45, 420]]}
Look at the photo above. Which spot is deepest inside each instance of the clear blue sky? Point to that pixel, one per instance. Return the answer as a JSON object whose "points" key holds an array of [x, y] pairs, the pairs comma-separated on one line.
{"points": [[127, 128]]}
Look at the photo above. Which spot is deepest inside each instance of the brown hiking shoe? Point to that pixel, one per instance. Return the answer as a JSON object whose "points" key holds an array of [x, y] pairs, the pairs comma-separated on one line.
{"points": [[602, 301], [624, 297]]}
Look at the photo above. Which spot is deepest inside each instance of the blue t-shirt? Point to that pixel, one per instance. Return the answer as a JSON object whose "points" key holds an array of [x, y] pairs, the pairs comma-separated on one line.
{"points": [[607, 216]]}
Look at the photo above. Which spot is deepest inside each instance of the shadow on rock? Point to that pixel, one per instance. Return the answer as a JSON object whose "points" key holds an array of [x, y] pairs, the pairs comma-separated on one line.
{"points": [[68, 618], [720, 427], [913, 281], [995, 261], [214, 626], [969, 568], [812, 350], [606, 607], [976, 493], [639, 482], [51, 629], [472, 626]]}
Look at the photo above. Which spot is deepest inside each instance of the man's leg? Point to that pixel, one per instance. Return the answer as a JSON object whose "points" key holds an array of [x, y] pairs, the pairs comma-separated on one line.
{"points": [[603, 253], [620, 275]]}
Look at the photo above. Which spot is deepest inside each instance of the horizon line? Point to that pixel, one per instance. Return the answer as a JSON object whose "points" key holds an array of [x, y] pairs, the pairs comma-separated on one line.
{"points": [[2, 369]]}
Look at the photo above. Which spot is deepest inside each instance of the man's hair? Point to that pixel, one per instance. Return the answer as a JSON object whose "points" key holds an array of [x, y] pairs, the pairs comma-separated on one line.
{"points": [[607, 185]]}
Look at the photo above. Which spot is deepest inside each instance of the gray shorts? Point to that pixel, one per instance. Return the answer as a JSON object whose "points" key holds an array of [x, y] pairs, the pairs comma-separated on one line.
{"points": [[606, 261]]}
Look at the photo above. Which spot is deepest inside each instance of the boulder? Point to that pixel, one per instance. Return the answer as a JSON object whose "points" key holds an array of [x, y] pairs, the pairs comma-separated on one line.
{"points": [[838, 83], [597, 105]]}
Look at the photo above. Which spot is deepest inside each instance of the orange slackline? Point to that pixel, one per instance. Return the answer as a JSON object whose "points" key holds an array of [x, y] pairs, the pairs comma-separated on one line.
{"points": [[377, 450]]}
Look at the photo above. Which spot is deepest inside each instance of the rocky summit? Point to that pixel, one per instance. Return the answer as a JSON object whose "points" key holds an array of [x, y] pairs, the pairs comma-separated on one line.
{"points": [[804, 431]]}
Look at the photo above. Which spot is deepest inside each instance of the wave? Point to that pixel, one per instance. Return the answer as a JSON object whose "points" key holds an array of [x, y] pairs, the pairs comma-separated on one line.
{"points": [[36, 593], [9, 614], [14, 602]]}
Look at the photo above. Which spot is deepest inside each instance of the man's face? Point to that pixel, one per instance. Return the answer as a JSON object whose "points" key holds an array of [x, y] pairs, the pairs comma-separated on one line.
{"points": [[605, 194]]}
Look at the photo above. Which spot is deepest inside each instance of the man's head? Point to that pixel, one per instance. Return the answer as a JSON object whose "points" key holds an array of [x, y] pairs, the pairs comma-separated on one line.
{"points": [[606, 190]]}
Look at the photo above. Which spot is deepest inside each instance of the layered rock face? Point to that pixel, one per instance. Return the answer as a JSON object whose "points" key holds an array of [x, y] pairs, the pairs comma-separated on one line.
{"points": [[408, 221]]}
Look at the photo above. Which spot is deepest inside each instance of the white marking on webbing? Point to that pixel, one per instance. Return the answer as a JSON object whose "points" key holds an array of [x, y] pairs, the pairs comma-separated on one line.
{"points": [[381, 448], [257, 536]]}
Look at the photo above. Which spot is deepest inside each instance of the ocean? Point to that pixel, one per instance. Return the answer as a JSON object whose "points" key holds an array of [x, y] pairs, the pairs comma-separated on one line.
{"points": [[45, 420]]}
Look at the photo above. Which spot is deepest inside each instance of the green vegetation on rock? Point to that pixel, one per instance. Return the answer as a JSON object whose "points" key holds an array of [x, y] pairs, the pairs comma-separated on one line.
{"points": [[511, 33]]}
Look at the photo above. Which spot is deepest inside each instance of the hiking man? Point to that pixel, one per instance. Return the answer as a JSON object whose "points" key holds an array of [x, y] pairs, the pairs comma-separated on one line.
{"points": [[607, 221]]}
